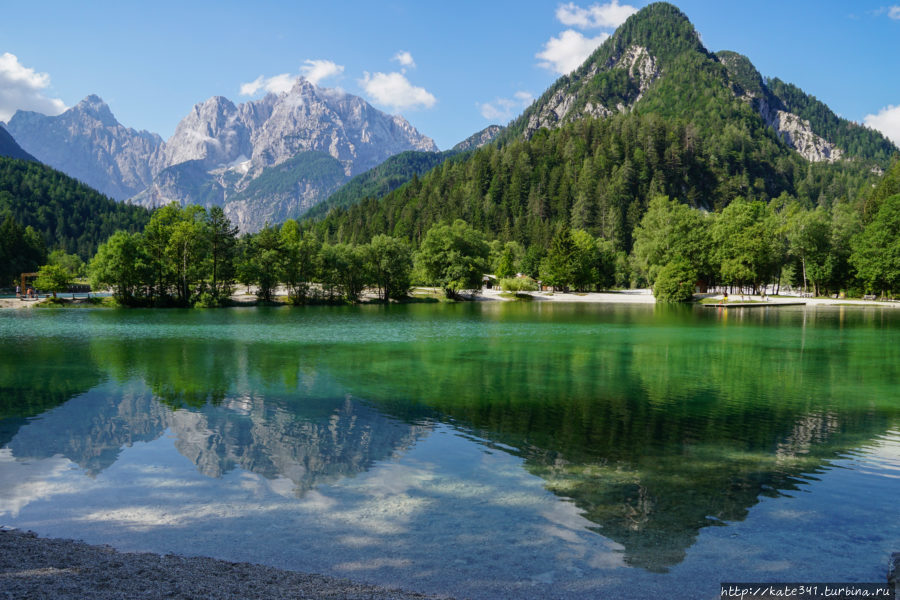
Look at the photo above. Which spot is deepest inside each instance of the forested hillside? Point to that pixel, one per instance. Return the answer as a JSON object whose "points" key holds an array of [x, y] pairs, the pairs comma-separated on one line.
{"points": [[10, 148], [651, 112], [597, 175], [380, 180], [66, 213]]}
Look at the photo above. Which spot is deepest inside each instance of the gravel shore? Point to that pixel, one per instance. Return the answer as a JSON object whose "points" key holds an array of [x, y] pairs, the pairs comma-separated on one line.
{"points": [[33, 567]]}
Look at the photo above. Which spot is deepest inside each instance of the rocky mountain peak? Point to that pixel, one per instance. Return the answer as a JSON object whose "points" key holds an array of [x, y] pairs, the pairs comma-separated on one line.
{"points": [[271, 158], [93, 107], [88, 143]]}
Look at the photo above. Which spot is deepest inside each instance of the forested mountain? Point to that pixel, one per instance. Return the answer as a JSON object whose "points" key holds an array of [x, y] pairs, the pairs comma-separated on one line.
{"points": [[651, 112], [9, 148], [656, 63], [380, 180], [65, 212], [396, 171]]}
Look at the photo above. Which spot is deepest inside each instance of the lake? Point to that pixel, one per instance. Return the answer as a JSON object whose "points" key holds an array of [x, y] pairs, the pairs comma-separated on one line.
{"points": [[483, 450]]}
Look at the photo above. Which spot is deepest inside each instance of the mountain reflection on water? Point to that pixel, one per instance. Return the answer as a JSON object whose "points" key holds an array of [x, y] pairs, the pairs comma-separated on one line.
{"points": [[237, 432], [655, 425]]}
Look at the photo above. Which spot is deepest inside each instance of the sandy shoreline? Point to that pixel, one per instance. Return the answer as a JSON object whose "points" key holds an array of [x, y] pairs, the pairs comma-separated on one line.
{"points": [[33, 567], [639, 296]]}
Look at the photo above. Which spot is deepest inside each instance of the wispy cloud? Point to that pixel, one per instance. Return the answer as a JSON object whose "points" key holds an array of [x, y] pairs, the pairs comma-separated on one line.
{"points": [[313, 70], [894, 12], [887, 121], [395, 91], [316, 70], [276, 84], [565, 53], [608, 15], [503, 109], [24, 88]]}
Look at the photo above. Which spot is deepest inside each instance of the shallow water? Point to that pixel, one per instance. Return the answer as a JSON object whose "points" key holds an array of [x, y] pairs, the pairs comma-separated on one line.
{"points": [[480, 450]]}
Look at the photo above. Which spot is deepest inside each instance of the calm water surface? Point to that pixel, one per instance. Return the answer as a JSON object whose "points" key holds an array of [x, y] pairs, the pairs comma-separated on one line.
{"points": [[480, 450]]}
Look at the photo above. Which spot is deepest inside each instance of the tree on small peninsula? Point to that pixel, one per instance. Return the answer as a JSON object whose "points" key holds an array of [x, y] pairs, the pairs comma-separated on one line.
{"points": [[454, 257]]}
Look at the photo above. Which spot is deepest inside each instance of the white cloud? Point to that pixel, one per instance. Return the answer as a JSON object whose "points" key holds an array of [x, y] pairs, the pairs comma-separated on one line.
{"points": [[565, 53], [276, 84], [395, 91], [23, 88], [313, 70], [503, 109], [894, 12], [610, 15], [524, 97], [404, 58], [887, 121], [316, 70]]}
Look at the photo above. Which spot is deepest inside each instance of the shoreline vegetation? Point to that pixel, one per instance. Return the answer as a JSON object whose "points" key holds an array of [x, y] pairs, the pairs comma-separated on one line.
{"points": [[193, 257]]}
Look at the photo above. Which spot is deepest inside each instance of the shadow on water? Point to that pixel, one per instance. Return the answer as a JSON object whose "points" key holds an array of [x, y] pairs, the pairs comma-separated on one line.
{"points": [[655, 421]]}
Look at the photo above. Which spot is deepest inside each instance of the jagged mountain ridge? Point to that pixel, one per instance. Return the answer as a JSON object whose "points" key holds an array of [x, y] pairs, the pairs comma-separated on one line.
{"points": [[270, 159], [88, 143], [219, 149]]}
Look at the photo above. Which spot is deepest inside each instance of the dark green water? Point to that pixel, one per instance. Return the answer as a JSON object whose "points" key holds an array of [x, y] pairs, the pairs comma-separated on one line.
{"points": [[477, 449]]}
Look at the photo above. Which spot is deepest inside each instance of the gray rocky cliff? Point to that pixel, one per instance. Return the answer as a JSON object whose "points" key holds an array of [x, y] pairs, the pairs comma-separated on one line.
{"points": [[479, 139], [219, 149], [88, 143], [748, 85], [797, 133]]}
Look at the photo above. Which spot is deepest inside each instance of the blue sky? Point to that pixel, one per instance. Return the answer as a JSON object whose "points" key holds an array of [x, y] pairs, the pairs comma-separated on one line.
{"points": [[450, 68]]}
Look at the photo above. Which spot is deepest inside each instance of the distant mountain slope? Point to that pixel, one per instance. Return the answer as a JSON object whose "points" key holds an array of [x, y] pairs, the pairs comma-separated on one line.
{"points": [[479, 139], [380, 180], [396, 171], [10, 149], [88, 143], [263, 160], [219, 149], [651, 112], [67, 213]]}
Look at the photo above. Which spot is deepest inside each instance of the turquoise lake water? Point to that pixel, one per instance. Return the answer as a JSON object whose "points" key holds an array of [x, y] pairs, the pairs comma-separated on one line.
{"points": [[485, 450]]}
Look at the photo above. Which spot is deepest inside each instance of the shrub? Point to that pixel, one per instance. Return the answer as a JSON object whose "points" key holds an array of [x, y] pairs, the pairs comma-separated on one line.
{"points": [[518, 284], [675, 282]]}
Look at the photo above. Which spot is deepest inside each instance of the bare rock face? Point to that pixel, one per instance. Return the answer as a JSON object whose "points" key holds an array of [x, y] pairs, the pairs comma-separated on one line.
{"points": [[479, 139], [213, 133], [798, 134], [219, 149], [641, 66], [348, 128], [748, 85], [642, 69], [795, 131], [88, 143]]}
